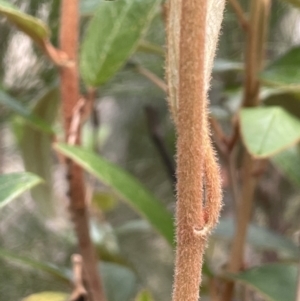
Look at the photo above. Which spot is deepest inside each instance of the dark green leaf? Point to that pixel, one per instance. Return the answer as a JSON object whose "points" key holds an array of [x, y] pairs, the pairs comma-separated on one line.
{"points": [[290, 102], [288, 162], [119, 282], [284, 71], [126, 186], [36, 149], [259, 237], [47, 296], [16, 107], [14, 184], [33, 27], [58, 273], [112, 36], [268, 130], [295, 3], [276, 282]]}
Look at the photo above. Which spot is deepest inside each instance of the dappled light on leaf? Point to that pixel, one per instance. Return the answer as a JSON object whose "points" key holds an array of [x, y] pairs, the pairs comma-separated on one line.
{"points": [[14, 184], [264, 130]]}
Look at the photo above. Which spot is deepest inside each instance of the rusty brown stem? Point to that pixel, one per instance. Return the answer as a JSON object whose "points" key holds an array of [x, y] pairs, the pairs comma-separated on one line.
{"points": [[70, 96]]}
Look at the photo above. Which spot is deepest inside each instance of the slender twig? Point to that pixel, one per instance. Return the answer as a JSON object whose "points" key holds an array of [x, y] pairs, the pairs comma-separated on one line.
{"points": [[70, 100], [233, 178], [217, 129], [148, 47], [57, 56], [225, 146], [152, 77], [239, 13], [79, 292], [213, 290], [244, 210], [254, 59], [158, 141]]}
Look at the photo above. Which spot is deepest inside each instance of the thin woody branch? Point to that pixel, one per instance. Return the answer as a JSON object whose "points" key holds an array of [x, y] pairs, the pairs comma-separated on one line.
{"points": [[70, 101], [239, 13], [256, 36]]}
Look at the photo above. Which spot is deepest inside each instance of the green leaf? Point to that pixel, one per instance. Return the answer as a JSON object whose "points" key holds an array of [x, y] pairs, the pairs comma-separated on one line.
{"points": [[259, 237], [88, 7], [133, 226], [221, 65], [288, 162], [112, 36], [268, 130], [36, 149], [295, 3], [33, 27], [119, 282], [284, 71], [126, 186], [14, 184], [106, 243], [276, 282], [148, 47], [47, 296], [144, 296], [16, 107], [104, 201], [56, 272]]}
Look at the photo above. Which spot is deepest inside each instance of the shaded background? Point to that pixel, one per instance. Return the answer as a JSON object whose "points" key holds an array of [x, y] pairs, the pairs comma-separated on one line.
{"points": [[123, 137]]}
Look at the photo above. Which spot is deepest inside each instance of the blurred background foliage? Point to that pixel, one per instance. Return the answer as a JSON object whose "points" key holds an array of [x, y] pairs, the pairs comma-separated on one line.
{"points": [[36, 235]]}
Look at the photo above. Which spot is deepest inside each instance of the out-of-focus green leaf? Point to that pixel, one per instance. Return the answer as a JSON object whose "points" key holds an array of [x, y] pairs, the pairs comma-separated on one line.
{"points": [[88, 7], [33, 27], [14, 184], [94, 137], [58, 273], [221, 65], [119, 282], [36, 149], [144, 296], [148, 47], [112, 36], [106, 243], [259, 237], [16, 107], [133, 226], [104, 201], [126, 186], [47, 296], [288, 162], [295, 3], [284, 71], [275, 282], [268, 130]]}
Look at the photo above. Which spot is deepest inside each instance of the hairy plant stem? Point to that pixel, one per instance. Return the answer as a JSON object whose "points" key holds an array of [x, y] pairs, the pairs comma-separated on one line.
{"points": [[190, 149], [70, 96], [256, 36]]}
